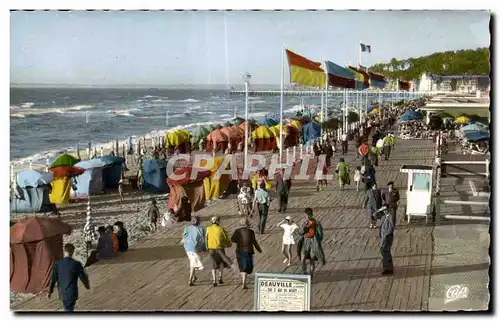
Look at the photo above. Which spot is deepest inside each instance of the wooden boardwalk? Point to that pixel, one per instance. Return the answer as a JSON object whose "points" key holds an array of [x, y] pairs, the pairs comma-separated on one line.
{"points": [[153, 275]]}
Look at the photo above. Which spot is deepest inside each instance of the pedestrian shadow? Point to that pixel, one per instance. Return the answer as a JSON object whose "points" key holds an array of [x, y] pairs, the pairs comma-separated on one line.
{"points": [[146, 254], [399, 272]]}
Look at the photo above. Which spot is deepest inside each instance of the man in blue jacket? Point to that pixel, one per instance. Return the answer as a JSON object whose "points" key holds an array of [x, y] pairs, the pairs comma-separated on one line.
{"points": [[66, 273]]}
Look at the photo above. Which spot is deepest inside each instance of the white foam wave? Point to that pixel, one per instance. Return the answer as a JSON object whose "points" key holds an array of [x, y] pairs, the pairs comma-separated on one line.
{"points": [[17, 116], [191, 100], [14, 107], [27, 105], [259, 101]]}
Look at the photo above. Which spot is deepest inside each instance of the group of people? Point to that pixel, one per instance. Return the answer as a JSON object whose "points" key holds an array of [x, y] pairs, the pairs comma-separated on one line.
{"points": [[112, 240], [214, 240]]}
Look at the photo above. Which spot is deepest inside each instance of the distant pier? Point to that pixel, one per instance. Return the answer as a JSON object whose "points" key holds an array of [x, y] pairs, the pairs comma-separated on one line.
{"points": [[331, 93]]}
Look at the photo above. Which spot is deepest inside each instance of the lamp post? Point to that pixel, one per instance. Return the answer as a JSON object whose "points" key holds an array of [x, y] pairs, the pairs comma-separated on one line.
{"points": [[247, 78]]}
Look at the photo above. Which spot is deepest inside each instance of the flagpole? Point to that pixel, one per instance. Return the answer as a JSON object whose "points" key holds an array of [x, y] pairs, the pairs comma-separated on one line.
{"points": [[326, 95], [321, 112], [359, 54], [282, 101]]}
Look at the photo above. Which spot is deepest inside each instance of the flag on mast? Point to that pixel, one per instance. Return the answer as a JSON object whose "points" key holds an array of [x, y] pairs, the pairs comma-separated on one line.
{"points": [[365, 48], [304, 71], [339, 76]]}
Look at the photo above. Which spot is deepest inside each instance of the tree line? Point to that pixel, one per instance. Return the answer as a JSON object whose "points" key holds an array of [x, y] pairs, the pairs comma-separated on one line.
{"points": [[459, 62]]}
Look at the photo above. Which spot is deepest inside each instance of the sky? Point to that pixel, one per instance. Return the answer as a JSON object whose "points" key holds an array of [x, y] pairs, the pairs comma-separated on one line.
{"points": [[216, 47]]}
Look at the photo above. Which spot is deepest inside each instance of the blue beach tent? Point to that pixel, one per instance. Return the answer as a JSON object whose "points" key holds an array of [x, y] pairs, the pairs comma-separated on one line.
{"points": [[267, 121], [32, 192], [155, 176], [91, 181], [112, 173], [311, 132]]}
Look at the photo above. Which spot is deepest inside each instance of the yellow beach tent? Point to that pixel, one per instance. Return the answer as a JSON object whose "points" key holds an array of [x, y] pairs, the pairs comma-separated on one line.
{"points": [[215, 186], [61, 190]]}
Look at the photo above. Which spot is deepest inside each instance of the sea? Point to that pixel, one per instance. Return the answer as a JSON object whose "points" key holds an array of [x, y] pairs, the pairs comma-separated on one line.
{"points": [[47, 122]]}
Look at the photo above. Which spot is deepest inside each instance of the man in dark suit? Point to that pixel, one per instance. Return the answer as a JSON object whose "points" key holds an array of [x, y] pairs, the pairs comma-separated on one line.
{"points": [[66, 273], [282, 189], [373, 199], [390, 197]]}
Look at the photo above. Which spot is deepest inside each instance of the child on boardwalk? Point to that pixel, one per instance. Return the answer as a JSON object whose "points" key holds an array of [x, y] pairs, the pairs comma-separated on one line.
{"points": [[289, 228], [357, 177]]}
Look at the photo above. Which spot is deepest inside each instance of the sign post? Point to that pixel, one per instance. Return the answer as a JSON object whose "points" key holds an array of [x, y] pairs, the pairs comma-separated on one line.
{"points": [[282, 292]]}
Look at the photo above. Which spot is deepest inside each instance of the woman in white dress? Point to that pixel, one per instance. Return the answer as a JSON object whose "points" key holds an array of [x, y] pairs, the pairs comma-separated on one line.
{"points": [[288, 227]]}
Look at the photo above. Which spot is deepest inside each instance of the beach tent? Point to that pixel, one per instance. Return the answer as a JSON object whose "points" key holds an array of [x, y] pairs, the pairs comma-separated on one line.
{"points": [[234, 134], [291, 135], [65, 159], [112, 171], [178, 139], [33, 192], [296, 123], [91, 182], [192, 188], [155, 176], [462, 120], [216, 139], [376, 111], [63, 170], [35, 245], [199, 135], [215, 186], [311, 132], [267, 121], [252, 125], [264, 139], [238, 121], [227, 124]]}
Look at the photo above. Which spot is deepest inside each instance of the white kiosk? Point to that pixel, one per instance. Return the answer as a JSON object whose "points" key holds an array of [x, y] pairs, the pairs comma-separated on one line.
{"points": [[419, 191]]}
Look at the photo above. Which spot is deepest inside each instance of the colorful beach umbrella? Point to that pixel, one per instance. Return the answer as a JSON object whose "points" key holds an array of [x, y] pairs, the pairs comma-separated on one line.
{"points": [[462, 120], [65, 159]]}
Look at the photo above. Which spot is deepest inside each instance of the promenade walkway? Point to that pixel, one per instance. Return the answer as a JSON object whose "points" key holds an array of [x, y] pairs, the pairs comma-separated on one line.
{"points": [[153, 275]]}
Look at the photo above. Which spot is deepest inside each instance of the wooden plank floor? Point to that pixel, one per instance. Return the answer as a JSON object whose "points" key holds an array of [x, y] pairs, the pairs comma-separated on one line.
{"points": [[153, 275]]}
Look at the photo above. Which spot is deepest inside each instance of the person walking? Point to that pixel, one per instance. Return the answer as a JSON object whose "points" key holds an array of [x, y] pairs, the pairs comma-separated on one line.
{"points": [[364, 152], [343, 171], [386, 238], [261, 203], [244, 237], [65, 274], [153, 215], [311, 248], [373, 199], [194, 244], [217, 240], [282, 190], [387, 146], [345, 143], [289, 227], [357, 177], [390, 197]]}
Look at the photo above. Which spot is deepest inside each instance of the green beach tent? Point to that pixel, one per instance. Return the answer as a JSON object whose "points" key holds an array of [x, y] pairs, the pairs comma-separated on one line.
{"points": [[200, 134], [65, 159]]}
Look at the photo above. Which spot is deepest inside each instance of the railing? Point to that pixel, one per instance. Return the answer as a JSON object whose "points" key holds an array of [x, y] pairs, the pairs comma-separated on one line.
{"points": [[441, 169]]}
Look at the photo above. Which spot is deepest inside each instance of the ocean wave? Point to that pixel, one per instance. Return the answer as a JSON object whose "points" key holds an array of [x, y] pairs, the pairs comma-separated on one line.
{"points": [[61, 110], [17, 116], [14, 107], [191, 100], [27, 105], [258, 101]]}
